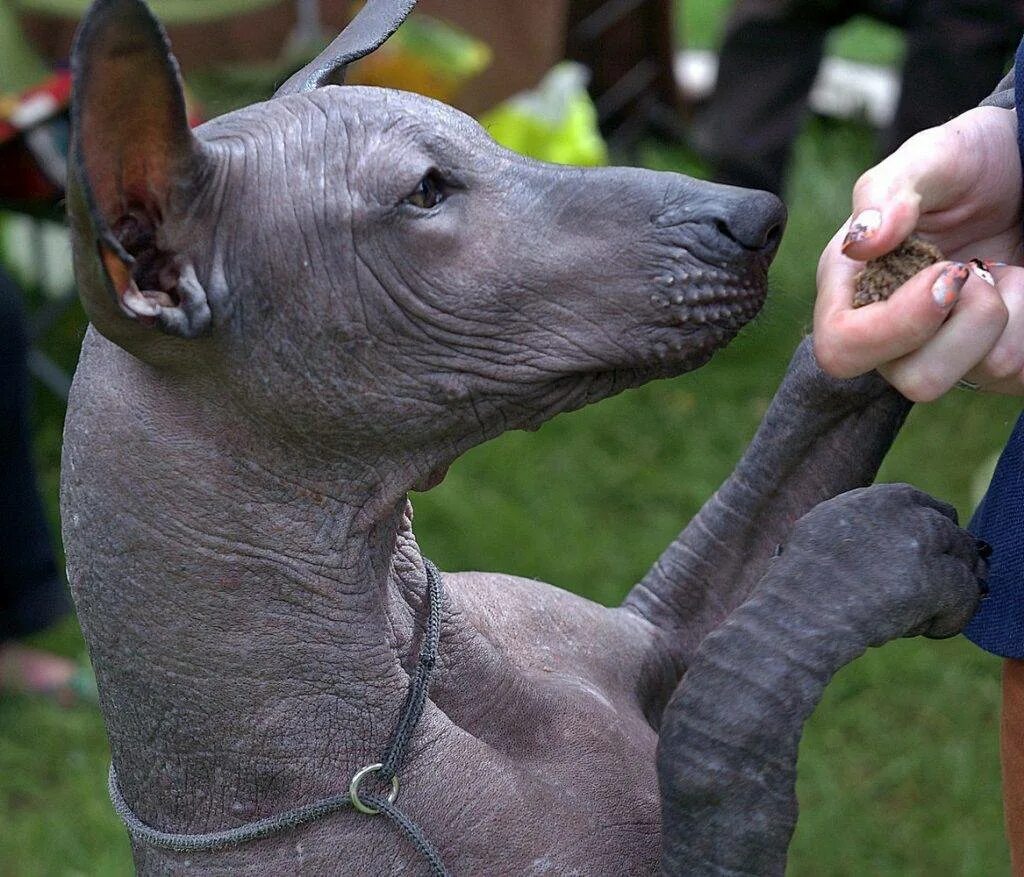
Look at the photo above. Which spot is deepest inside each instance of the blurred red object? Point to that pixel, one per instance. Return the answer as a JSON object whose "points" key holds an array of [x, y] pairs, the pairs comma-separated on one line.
{"points": [[33, 144], [38, 104], [34, 137]]}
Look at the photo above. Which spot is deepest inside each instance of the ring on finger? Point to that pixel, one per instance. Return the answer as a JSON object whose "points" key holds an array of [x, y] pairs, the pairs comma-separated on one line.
{"points": [[964, 384]]}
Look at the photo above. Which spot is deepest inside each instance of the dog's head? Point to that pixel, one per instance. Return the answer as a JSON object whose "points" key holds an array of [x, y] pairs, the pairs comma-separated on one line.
{"points": [[368, 267]]}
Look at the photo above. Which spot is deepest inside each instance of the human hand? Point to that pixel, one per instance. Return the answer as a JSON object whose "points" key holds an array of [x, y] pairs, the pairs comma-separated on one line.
{"points": [[958, 185]]}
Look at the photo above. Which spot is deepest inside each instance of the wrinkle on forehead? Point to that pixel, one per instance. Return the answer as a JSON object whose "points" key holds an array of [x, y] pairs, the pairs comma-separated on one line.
{"points": [[288, 153], [380, 111], [284, 123]]}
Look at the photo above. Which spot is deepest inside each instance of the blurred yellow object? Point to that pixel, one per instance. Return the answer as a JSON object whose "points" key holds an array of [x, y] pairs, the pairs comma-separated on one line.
{"points": [[426, 56], [555, 122]]}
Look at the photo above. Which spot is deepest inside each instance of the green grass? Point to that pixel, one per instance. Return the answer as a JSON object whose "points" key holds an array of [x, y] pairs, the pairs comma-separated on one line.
{"points": [[899, 769]]}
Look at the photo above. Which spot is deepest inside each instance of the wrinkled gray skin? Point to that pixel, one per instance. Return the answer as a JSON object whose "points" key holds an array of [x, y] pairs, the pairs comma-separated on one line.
{"points": [[297, 346]]}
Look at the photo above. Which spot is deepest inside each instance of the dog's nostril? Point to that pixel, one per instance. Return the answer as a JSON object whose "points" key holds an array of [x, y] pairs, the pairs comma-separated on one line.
{"points": [[773, 237], [748, 237], [754, 220]]}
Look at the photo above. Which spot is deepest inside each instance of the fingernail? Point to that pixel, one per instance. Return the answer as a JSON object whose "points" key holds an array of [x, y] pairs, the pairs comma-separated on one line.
{"points": [[983, 270], [984, 549], [864, 227], [947, 288]]}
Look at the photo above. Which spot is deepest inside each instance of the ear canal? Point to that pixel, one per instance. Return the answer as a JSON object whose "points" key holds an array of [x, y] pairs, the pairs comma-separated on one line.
{"points": [[367, 32], [133, 162]]}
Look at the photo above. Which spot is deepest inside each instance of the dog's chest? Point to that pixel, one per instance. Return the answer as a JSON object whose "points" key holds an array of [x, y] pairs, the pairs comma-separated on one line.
{"points": [[543, 746]]}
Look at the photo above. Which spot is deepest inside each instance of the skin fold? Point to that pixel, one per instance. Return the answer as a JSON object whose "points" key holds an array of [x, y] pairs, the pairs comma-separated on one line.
{"points": [[307, 308]]}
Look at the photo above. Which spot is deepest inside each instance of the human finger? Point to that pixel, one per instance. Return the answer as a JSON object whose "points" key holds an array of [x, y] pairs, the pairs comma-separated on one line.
{"points": [[888, 199], [952, 181], [963, 341], [1002, 370], [851, 341]]}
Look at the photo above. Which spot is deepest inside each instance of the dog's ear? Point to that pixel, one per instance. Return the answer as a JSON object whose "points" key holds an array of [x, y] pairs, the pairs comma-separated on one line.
{"points": [[371, 27], [133, 166]]}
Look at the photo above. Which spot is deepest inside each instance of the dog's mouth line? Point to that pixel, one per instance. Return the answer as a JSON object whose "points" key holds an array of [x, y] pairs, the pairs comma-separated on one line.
{"points": [[677, 350], [654, 361], [687, 339]]}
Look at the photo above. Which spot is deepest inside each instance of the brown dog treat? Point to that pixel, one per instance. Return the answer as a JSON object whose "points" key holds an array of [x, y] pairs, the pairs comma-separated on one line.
{"points": [[882, 277]]}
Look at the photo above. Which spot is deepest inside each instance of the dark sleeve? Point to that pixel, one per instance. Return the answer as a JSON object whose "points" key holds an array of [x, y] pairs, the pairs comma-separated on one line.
{"points": [[998, 625], [1003, 96]]}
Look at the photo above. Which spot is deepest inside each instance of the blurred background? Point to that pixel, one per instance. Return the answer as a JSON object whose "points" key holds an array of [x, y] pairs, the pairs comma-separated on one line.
{"points": [[899, 770]]}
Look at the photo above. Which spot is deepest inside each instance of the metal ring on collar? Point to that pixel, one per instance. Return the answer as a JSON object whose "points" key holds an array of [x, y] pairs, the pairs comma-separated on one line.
{"points": [[965, 384], [353, 789]]}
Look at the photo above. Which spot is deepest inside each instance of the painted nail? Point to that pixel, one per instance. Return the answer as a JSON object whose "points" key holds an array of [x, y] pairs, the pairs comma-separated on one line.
{"points": [[946, 290], [864, 227], [983, 270]]}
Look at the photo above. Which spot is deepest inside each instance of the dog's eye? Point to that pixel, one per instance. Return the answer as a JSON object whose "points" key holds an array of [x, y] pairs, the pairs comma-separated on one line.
{"points": [[429, 192]]}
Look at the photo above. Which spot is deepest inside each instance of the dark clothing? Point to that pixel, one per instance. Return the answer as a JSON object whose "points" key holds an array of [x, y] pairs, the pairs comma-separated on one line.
{"points": [[955, 50], [32, 593], [998, 625]]}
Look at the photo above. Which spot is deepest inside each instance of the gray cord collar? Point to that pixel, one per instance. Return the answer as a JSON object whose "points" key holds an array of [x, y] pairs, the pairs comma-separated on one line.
{"points": [[372, 804]]}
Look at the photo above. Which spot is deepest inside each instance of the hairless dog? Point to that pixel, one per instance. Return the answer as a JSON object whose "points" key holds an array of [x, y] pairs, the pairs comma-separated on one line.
{"points": [[304, 309]]}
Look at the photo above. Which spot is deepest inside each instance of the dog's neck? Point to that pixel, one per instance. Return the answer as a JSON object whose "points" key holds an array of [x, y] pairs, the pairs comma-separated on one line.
{"points": [[253, 660]]}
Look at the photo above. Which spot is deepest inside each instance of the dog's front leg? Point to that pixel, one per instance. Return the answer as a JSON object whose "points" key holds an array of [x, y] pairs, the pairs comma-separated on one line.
{"points": [[820, 438], [858, 571]]}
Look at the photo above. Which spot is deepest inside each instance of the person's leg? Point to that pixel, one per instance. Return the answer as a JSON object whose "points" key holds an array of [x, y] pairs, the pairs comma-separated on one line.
{"points": [[767, 66], [1013, 760], [32, 593], [957, 51]]}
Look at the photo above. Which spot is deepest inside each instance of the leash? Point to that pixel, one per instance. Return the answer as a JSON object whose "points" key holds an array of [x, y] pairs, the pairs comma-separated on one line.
{"points": [[370, 803]]}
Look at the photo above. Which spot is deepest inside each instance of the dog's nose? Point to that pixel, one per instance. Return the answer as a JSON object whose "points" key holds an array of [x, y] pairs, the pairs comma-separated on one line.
{"points": [[754, 220]]}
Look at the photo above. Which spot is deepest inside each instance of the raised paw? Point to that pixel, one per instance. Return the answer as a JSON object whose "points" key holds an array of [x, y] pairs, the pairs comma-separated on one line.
{"points": [[890, 560]]}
